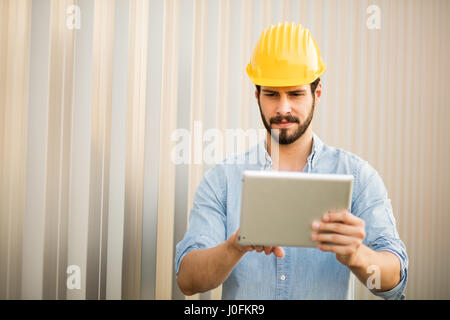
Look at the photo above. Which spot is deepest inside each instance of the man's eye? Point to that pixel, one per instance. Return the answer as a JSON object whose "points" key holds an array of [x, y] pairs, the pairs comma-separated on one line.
{"points": [[269, 94], [297, 94]]}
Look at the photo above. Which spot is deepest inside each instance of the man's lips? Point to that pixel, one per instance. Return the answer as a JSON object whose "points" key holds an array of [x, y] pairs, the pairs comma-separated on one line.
{"points": [[284, 124]]}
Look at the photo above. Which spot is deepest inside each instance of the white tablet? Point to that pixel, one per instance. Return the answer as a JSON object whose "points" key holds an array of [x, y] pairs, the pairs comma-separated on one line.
{"points": [[278, 207]]}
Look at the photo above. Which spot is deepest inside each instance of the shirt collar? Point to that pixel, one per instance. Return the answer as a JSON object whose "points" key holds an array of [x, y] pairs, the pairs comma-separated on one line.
{"points": [[265, 160]]}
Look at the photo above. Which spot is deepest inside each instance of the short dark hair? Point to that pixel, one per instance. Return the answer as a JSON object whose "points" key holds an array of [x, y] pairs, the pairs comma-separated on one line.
{"points": [[314, 85]]}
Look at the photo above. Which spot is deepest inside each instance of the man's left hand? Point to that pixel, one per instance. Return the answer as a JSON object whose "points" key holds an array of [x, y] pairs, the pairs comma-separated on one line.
{"points": [[342, 233]]}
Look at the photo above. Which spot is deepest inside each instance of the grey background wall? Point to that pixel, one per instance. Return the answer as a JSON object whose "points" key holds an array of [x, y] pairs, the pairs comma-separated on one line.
{"points": [[86, 117]]}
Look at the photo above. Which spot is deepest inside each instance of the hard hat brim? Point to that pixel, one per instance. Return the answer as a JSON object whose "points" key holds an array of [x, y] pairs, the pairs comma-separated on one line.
{"points": [[285, 82]]}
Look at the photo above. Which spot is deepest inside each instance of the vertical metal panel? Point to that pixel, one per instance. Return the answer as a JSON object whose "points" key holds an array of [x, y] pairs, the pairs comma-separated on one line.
{"points": [[398, 112], [255, 118], [316, 21], [66, 123], [446, 67], [334, 11], [360, 78], [58, 159], [266, 13], [346, 34], [33, 241], [286, 6], [406, 150], [424, 114], [118, 140], [130, 280], [4, 182], [435, 206], [443, 217], [444, 168], [433, 150], [223, 65], [413, 254], [4, 114], [294, 11], [152, 138], [131, 276], [81, 147], [235, 70], [193, 115], [53, 153], [349, 55], [167, 169], [211, 70], [384, 71], [247, 89], [393, 171], [183, 122], [14, 51], [3, 119], [411, 221], [19, 66], [100, 154], [446, 155], [53, 161]]}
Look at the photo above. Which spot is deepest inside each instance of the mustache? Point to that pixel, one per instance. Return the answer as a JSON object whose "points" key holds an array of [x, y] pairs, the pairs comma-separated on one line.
{"points": [[288, 118]]}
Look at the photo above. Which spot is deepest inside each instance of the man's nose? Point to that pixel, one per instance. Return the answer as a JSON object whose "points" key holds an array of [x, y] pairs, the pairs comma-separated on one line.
{"points": [[284, 105]]}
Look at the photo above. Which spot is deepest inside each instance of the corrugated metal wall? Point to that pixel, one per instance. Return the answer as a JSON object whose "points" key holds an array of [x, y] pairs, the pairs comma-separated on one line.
{"points": [[87, 116]]}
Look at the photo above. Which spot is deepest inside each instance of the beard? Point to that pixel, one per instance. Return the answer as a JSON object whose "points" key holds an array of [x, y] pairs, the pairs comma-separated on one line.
{"points": [[284, 137]]}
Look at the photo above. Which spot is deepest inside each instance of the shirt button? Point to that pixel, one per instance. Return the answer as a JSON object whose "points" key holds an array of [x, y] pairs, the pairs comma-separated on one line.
{"points": [[283, 277]]}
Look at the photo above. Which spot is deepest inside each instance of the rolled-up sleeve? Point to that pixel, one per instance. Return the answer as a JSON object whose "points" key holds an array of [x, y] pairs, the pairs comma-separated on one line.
{"points": [[207, 219], [373, 205]]}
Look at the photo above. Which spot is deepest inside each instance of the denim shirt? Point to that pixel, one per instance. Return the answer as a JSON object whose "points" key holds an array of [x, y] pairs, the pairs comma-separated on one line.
{"points": [[303, 273]]}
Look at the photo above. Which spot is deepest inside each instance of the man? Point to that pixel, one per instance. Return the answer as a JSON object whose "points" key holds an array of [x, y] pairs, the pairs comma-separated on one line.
{"points": [[286, 67]]}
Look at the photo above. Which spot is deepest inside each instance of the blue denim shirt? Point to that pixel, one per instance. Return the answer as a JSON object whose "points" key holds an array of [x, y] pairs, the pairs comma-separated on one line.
{"points": [[303, 273]]}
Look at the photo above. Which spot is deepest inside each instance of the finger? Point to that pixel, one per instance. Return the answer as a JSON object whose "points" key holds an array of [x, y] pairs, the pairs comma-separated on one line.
{"points": [[248, 248], [342, 216], [333, 238], [234, 239], [259, 248], [278, 252], [267, 250], [338, 249], [339, 228]]}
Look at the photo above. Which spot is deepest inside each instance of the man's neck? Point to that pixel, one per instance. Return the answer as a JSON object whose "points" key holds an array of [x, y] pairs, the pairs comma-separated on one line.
{"points": [[291, 157]]}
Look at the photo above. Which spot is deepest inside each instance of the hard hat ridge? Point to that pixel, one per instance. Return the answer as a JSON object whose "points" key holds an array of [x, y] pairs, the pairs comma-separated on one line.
{"points": [[285, 55]]}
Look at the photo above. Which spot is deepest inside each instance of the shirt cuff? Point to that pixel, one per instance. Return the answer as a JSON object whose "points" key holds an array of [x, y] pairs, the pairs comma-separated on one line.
{"points": [[179, 257], [189, 244], [395, 293]]}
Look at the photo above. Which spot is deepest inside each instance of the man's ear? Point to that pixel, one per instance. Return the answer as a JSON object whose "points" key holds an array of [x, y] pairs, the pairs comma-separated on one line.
{"points": [[318, 92], [256, 94]]}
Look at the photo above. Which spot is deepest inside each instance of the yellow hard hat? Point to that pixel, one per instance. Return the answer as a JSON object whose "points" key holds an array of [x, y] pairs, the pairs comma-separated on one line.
{"points": [[285, 55]]}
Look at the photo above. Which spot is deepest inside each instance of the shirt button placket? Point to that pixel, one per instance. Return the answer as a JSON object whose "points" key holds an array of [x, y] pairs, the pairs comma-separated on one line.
{"points": [[281, 288]]}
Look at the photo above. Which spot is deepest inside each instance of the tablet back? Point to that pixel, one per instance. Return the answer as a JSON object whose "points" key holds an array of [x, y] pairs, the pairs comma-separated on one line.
{"points": [[278, 207]]}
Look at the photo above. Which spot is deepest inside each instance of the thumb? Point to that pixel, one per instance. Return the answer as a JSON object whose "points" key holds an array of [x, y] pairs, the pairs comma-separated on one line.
{"points": [[278, 252]]}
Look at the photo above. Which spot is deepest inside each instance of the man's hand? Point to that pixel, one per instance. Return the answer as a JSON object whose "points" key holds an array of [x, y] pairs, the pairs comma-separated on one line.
{"points": [[342, 233], [233, 242]]}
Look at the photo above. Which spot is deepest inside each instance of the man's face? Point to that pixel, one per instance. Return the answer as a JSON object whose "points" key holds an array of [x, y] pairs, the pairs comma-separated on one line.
{"points": [[287, 110]]}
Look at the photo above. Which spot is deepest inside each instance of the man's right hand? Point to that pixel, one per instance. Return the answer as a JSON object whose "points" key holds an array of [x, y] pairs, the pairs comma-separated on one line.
{"points": [[234, 243], [205, 269]]}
